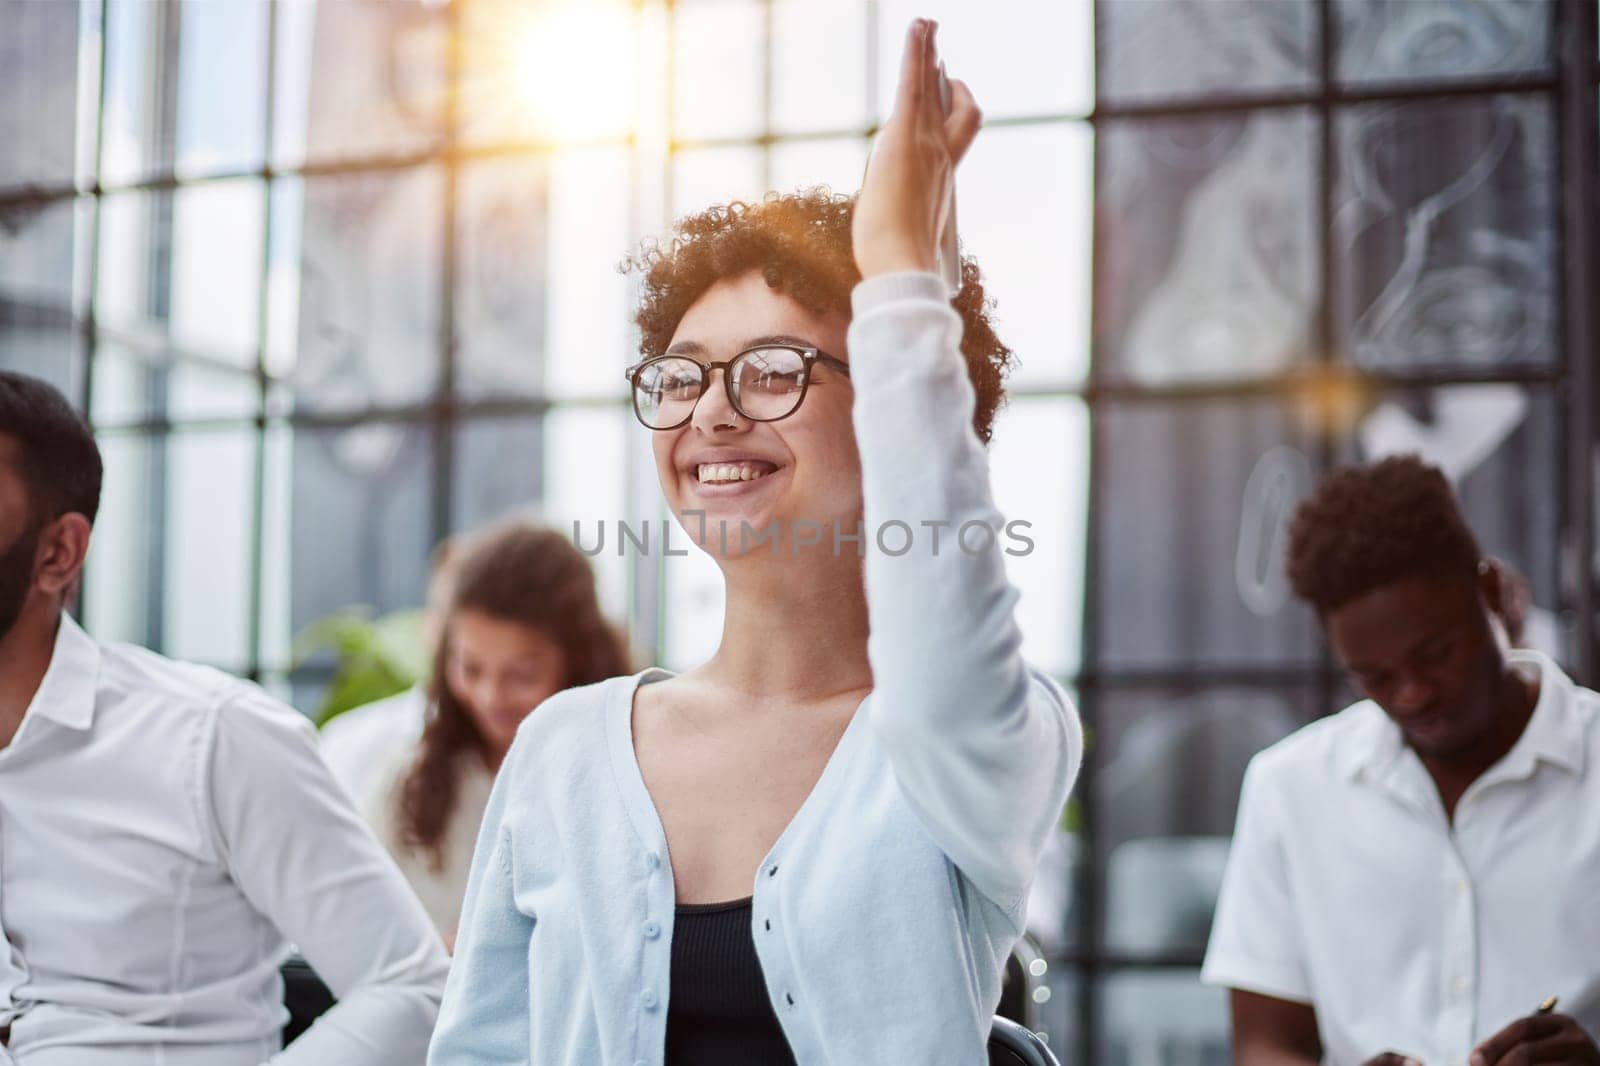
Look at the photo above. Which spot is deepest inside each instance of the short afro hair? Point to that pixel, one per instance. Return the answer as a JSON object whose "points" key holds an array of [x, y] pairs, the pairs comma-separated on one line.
{"points": [[1370, 526], [800, 243], [54, 452]]}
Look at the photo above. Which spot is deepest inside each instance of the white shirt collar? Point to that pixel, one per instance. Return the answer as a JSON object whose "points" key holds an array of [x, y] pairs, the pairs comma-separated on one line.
{"points": [[66, 695], [1554, 732]]}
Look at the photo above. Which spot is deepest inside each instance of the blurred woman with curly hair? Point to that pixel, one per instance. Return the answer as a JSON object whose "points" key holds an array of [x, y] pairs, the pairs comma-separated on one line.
{"points": [[815, 847]]}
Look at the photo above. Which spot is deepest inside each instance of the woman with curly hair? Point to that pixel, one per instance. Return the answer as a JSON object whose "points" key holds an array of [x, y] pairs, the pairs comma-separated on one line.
{"points": [[817, 846], [521, 623]]}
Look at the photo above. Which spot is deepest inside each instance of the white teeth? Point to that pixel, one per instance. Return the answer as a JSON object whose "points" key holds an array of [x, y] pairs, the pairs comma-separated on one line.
{"points": [[713, 473]]}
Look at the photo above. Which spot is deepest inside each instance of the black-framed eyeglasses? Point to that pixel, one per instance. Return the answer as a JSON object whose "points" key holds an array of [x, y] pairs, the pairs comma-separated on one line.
{"points": [[764, 383]]}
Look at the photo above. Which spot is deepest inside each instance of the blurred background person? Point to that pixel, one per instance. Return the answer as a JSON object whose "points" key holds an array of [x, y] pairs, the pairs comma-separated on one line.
{"points": [[363, 742], [1411, 876], [519, 623]]}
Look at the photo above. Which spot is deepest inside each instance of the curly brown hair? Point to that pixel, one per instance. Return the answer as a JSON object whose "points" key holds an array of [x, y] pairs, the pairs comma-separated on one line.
{"points": [[800, 243], [518, 572], [1369, 526]]}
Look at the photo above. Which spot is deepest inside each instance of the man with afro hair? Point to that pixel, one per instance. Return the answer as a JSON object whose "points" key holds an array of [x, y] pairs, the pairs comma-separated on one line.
{"points": [[1412, 877]]}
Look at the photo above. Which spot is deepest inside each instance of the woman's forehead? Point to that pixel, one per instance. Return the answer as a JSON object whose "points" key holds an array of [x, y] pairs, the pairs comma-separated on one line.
{"points": [[736, 311]]}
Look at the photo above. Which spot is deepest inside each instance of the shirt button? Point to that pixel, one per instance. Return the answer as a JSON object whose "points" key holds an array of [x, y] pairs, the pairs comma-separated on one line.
{"points": [[1460, 986], [652, 930], [648, 1000]]}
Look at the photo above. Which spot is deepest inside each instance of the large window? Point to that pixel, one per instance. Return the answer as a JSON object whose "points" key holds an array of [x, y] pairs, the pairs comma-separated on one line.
{"points": [[333, 280]]}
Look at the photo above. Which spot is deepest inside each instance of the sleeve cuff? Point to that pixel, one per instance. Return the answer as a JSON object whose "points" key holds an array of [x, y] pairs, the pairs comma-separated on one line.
{"points": [[1247, 975], [905, 285]]}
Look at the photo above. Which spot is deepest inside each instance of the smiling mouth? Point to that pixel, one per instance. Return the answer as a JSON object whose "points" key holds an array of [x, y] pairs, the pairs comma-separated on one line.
{"points": [[730, 473]]}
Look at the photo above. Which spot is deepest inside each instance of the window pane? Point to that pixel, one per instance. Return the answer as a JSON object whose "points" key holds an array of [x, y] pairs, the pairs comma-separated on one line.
{"points": [[1020, 57], [1035, 259], [138, 34], [1162, 1017], [714, 176], [589, 337], [1445, 233], [498, 462], [837, 162], [1039, 463], [1195, 503], [213, 118], [210, 489], [718, 49], [277, 534], [369, 290], [361, 518], [179, 292], [283, 278], [376, 71], [39, 92], [1428, 40], [500, 277], [1166, 48], [1500, 445], [216, 269], [181, 271], [559, 71], [819, 65], [126, 545], [1168, 764], [41, 257], [222, 82], [1207, 253]]}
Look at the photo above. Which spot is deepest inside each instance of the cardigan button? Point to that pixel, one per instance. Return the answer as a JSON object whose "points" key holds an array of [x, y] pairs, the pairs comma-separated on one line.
{"points": [[648, 1000], [652, 930]]}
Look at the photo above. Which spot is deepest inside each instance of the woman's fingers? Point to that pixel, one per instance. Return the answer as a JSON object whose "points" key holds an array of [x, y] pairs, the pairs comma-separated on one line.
{"points": [[961, 125], [913, 69], [931, 111]]}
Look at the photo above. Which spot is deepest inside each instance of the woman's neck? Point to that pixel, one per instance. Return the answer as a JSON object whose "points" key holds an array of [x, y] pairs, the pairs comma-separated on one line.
{"points": [[796, 627]]}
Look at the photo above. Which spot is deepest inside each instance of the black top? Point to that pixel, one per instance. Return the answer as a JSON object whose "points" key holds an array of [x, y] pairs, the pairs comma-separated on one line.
{"points": [[718, 1011]]}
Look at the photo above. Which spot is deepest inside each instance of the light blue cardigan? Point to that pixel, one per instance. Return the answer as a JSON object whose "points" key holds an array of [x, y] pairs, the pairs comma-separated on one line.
{"points": [[884, 913]]}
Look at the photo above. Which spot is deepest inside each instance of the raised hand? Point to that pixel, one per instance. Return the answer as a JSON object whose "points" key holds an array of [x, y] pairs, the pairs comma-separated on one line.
{"points": [[900, 213]]}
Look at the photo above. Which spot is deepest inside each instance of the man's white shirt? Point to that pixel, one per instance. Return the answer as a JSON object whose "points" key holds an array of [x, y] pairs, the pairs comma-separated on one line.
{"points": [[1349, 889], [165, 832]]}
